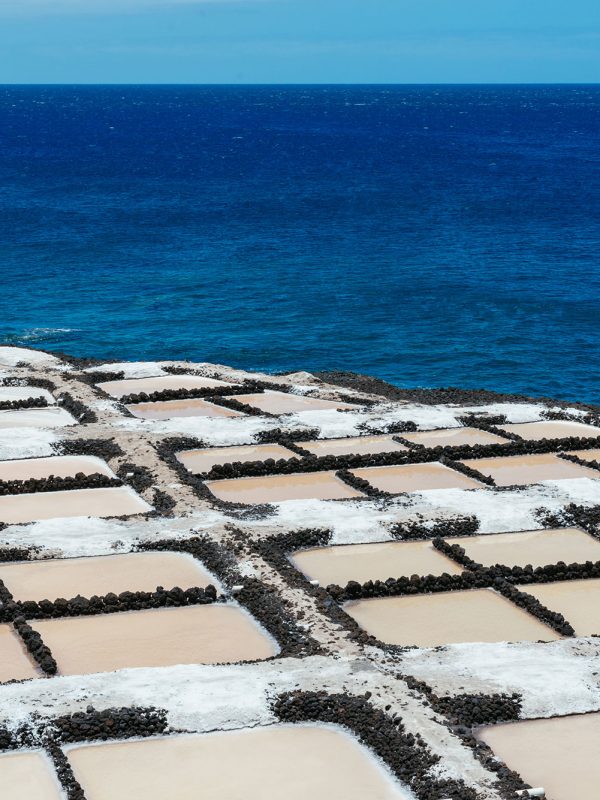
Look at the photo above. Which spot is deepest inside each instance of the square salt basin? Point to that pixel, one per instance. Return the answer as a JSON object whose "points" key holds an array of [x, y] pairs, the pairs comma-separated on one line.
{"points": [[560, 754], [365, 445], [15, 664], [416, 478], [586, 455], [201, 461], [120, 388], [28, 776], [36, 418], [60, 466], [550, 429], [431, 620], [577, 601], [453, 437], [363, 562], [10, 393], [99, 575], [283, 403], [278, 488], [294, 762], [168, 409], [538, 548], [109, 502], [524, 470], [162, 637]]}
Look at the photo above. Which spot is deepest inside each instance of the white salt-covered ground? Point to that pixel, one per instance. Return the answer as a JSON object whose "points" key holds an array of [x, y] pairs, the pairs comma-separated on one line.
{"points": [[554, 678]]}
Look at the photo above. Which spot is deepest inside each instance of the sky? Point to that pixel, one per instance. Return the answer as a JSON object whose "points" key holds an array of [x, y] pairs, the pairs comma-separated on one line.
{"points": [[299, 41]]}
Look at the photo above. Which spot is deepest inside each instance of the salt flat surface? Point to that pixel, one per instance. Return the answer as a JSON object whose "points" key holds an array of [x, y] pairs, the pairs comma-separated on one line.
{"points": [[122, 387], [203, 634], [9, 393], [15, 663], [538, 548], [415, 478], [104, 502], [279, 488], [559, 754], [284, 403], [521, 470], [131, 369], [378, 561], [28, 776], [578, 602], [352, 445], [203, 460], [167, 409], [555, 429], [26, 442], [11, 356], [453, 437], [130, 572], [431, 620], [267, 763], [36, 418], [59, 466]]}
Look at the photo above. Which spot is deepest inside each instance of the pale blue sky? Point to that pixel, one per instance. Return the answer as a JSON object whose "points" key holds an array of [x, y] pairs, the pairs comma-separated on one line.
{"points": [[299, 41]]}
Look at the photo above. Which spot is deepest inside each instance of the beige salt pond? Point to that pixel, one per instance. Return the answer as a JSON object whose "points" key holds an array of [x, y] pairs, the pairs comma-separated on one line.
{"points": [[168, 409], [550, 429], [453, 437], [280, 761], [107, 502], [538, 548], [60, 466], [28, 776], [200, 461], [283, 403], [365, 445], [14, 661], [10, 393], [416, 478], [99, 575], [560, 754], [120, 388], [36, 418], [431, 620], [586, 455], [362, 562], [278, 488], [523, 470], [205, 634], [577, 601]]}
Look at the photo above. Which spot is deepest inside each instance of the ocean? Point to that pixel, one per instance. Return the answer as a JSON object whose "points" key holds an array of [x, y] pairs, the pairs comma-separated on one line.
{"points": [[428, 235]]}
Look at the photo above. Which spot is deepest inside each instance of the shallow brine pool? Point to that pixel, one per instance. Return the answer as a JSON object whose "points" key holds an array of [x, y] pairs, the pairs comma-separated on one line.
{"points": [[379, 561], [206, 634], [559, 754], [430, 620], [277, 488], [291, 762], [538, 548], [99, 575]]}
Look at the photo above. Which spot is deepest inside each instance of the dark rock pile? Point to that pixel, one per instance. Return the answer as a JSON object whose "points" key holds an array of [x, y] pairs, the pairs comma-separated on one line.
{"points": [[35, 645], [106, 449], [53, 483], [360, 484], [77, 409], [25, 402], [432, 529]]}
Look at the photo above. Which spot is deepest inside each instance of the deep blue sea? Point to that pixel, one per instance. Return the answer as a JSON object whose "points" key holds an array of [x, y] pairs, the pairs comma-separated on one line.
{"points": [[429, 235]]}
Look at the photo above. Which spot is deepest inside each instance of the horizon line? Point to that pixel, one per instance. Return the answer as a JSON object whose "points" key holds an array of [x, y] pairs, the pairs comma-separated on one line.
{"points": [[320, 83]]}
